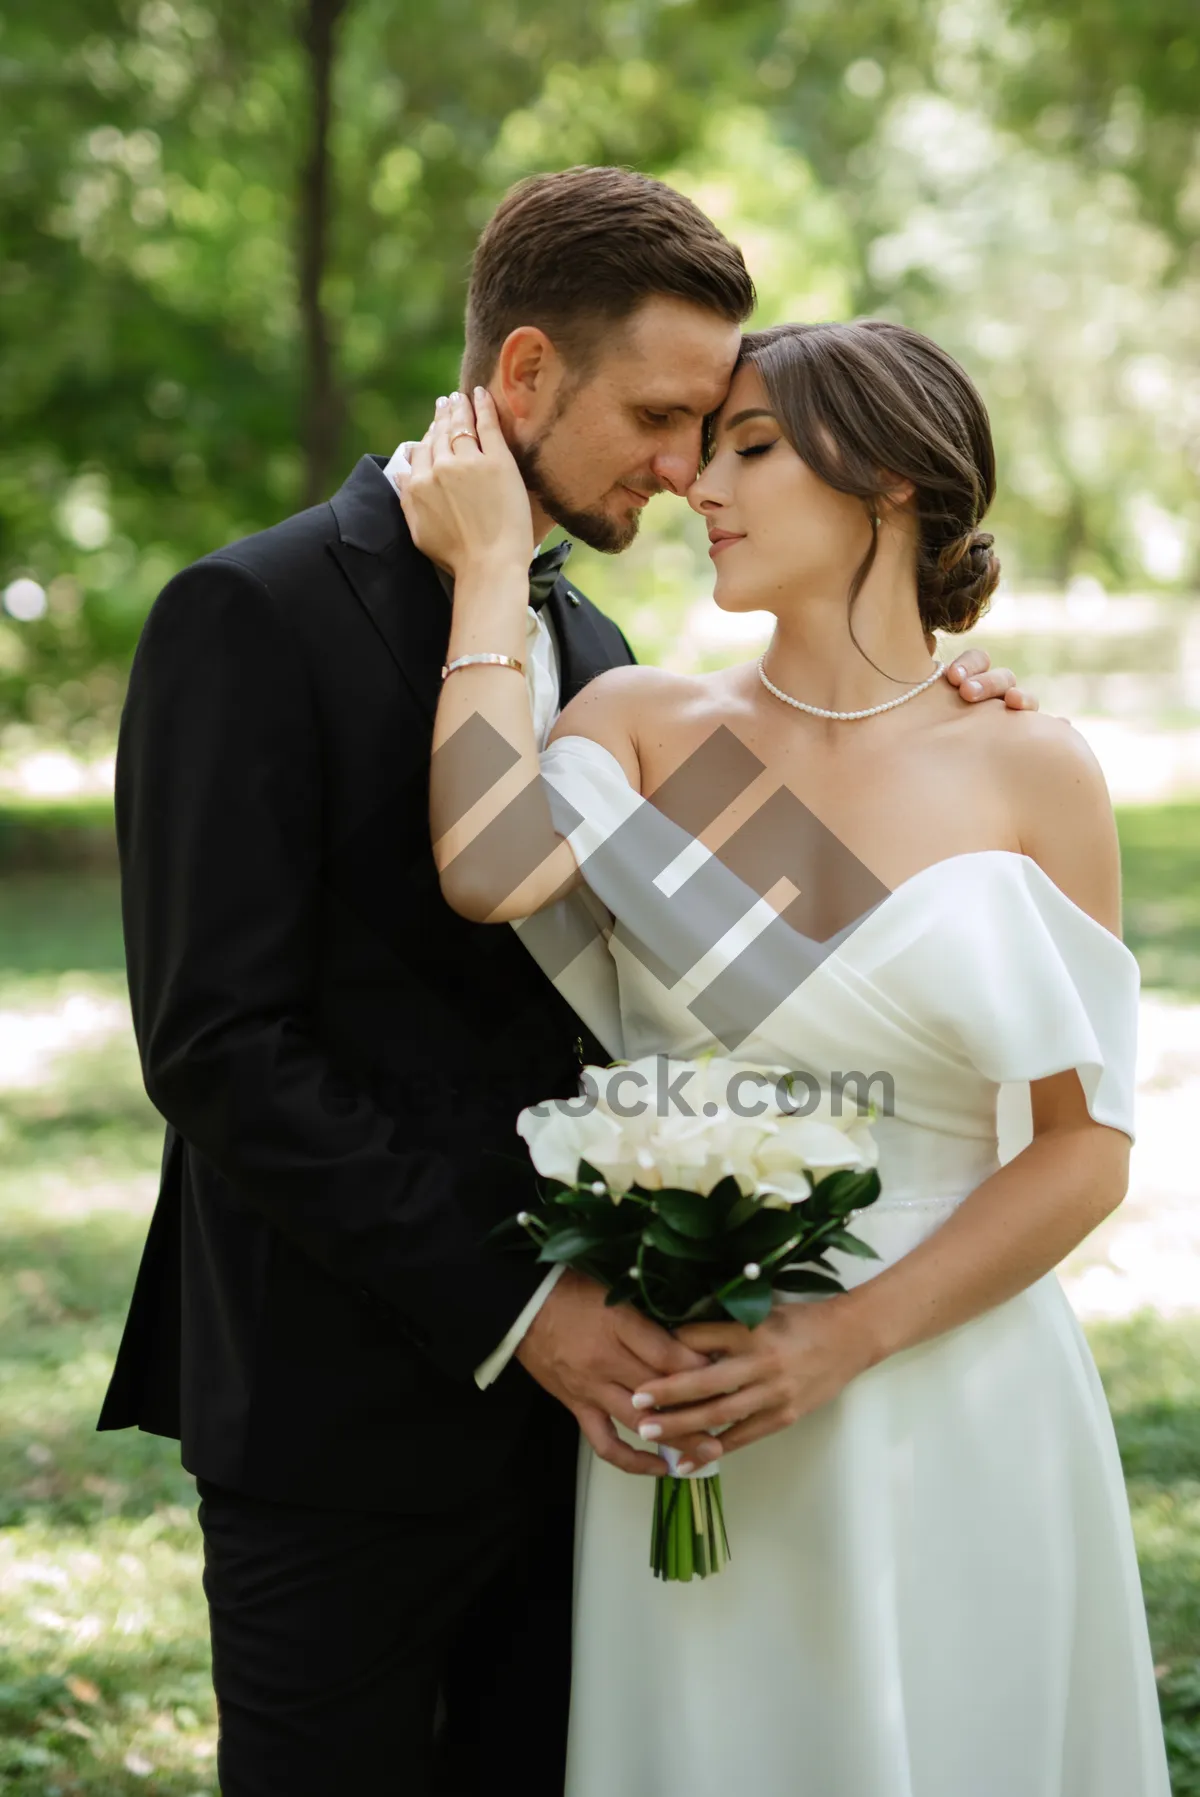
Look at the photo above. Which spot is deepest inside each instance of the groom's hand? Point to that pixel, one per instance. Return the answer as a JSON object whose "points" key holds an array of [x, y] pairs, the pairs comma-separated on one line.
{"points": [[975, 677], [592, 1357]]}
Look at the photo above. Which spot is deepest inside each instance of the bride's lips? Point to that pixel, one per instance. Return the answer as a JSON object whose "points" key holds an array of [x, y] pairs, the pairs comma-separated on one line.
{"points": [[721, 539]]}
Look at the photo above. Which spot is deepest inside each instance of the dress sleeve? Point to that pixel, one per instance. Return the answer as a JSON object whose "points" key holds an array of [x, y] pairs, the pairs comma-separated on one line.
{"points": [[1033, 986], [589, 792], [590, 798]]}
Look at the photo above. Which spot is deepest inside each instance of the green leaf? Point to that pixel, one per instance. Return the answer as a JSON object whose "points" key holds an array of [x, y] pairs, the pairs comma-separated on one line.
{"points": [[749, 1302], [724, 1195], [688, 1212], [595, 1216], [799, 1279], [851, 1244], [509, 1233], [623, 1290], [762, 1233], [843, 1191], [741, 1210], [659, 1234], [568, 1245]]}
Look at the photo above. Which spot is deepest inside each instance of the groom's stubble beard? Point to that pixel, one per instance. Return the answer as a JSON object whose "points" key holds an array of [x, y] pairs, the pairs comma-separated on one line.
{"points": [[595, 528]]}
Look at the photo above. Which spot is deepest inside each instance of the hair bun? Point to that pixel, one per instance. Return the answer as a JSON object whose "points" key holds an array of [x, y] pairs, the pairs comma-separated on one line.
{"points": [[957, 591]]}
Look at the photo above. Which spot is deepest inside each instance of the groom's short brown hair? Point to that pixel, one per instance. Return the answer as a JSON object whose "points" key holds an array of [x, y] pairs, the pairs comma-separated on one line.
{"points": [[577, 251]]}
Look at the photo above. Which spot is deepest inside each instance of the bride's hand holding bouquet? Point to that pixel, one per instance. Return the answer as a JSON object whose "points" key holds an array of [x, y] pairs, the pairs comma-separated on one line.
{"points": [[699, 1218]]}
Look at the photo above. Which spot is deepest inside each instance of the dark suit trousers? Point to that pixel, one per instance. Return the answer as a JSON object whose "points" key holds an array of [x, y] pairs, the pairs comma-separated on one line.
{"points": [[390, 1655]]}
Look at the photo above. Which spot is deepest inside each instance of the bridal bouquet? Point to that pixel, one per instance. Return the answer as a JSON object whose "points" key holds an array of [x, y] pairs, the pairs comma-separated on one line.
{"points": [[697, 1209]]}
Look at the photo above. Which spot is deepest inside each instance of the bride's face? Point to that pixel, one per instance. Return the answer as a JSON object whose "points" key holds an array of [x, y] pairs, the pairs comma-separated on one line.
{"points": [[779, 535]]}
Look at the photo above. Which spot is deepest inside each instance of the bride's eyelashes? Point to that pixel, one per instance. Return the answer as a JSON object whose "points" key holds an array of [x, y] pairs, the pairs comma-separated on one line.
{"points": [[756, 449]]}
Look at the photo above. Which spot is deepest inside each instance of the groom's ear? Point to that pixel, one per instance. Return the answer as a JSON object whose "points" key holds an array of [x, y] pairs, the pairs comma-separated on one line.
{"points": [[529, 371]]}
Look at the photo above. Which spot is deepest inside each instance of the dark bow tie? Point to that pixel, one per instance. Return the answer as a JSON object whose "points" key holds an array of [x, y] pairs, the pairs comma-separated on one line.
{"points": [[544, 571]]}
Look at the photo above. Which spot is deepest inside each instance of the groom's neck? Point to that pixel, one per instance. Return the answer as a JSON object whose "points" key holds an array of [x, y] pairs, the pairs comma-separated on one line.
{"points": [[543, 523]]}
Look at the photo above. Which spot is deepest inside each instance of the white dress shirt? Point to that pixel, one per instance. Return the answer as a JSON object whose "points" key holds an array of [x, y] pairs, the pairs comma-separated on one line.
{"points": [[542, 685]]}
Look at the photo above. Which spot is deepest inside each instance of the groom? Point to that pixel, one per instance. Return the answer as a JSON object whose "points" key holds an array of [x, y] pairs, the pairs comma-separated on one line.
{"points": [[381, 1411]]}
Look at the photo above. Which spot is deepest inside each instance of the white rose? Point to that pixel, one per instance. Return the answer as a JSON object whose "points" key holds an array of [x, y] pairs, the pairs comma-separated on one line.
{"points": [[803, 1145], [558, 1140], [822, 1146], [700, 1135]]}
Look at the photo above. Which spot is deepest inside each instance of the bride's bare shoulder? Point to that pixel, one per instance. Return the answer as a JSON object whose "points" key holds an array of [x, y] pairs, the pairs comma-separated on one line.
{"points": [[627, 694], [1033, 747], [1062, 809], [633, 711], [644, 677]]}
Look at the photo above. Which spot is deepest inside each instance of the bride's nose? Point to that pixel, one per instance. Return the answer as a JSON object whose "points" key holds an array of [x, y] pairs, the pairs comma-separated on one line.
{"points": [[702, 495]]}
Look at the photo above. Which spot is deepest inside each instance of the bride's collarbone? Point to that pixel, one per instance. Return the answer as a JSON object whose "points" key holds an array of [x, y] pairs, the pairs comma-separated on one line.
{"points": [[893, 811]]}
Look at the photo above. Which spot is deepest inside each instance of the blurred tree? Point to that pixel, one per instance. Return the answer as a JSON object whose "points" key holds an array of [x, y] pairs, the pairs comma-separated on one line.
{"points": [[1116, 82], [321, 426], [235, 247], [235, 241], [1049, 282]]}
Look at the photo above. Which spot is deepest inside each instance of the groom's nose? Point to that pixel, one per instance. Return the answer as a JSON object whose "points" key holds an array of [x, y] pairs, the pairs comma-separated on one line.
{"points": [[675, 468]]}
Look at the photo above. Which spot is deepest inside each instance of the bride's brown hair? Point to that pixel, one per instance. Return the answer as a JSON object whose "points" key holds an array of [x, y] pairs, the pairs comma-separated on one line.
{"points": [[869, 405]]}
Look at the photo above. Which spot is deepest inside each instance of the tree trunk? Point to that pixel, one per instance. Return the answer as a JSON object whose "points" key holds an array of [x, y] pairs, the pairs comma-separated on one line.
{"points": [[323, 407]]}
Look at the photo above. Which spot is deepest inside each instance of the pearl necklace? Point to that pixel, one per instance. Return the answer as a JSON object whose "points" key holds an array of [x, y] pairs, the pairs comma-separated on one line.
{"points": [[818, 711]]}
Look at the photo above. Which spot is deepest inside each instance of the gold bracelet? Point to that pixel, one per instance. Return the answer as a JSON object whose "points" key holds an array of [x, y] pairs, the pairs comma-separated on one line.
{"points": [[472, 661]]}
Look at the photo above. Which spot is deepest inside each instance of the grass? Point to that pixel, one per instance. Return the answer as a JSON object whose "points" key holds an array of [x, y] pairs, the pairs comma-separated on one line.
{"points": [[1160, 851], [104, 1687], [59, 834]]}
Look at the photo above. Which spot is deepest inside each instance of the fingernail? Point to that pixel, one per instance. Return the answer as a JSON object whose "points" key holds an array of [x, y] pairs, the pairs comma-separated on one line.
{"points": [[649, 1431], [971, 686], [441, 402], [455, 397], [710, 1451], [481, 392], [684, 1468], [643, 1401]]}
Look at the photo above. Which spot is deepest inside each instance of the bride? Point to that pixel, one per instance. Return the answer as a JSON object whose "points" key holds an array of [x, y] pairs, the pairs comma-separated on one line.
{"points": [[934, 1591]]}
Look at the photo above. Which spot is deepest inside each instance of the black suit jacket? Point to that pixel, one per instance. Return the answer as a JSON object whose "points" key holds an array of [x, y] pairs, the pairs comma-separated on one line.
{"points": [[340, 1058]]}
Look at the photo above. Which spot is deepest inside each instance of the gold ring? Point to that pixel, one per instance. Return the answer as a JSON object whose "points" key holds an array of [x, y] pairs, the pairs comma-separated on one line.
{"points": [[458, 434]]}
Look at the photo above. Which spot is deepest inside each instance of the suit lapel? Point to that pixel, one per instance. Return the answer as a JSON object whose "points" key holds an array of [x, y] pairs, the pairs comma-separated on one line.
{"points": [[396, 585], [401, 593], [582, 650]]}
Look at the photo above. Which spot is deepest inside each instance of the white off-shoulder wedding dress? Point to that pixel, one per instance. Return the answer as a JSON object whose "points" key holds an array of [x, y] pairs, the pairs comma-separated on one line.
{"points": [[933, 1590]]}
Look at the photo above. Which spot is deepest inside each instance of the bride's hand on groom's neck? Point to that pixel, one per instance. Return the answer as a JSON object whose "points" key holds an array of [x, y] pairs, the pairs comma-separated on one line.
{"points": [[463, 495], [592, 1357]]}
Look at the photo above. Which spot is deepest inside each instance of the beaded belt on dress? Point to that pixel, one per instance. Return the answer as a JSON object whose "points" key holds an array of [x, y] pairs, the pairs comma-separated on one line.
{"points": [[882, 1204]]}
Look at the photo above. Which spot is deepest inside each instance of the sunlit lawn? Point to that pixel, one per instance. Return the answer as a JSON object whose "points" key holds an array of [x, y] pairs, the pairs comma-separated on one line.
{"points": [[1161, 852], [103, 1651], [103, 1648]]}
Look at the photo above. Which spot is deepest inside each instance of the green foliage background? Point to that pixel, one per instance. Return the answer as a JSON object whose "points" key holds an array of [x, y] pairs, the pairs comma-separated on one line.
{"points": [[1020, 177]]}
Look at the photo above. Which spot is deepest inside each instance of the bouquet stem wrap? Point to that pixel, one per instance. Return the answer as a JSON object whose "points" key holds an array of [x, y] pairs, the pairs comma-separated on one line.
{"points": [[688, 1538]]}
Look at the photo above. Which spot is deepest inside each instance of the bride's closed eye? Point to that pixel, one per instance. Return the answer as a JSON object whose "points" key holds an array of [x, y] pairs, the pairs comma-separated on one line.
{"points": [[757, 448]]}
